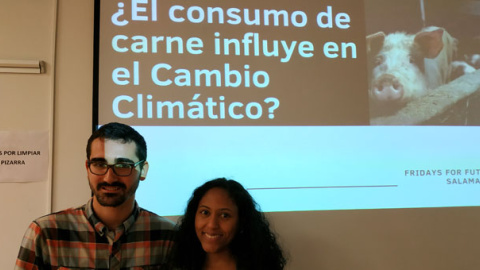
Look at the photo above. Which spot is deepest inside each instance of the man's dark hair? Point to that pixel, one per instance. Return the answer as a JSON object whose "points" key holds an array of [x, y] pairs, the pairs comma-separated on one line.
{"points": [[119, 132], [254, 245]]}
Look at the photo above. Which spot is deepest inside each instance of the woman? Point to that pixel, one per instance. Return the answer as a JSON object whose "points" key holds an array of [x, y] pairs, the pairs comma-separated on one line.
{"points": [[222, 229]]}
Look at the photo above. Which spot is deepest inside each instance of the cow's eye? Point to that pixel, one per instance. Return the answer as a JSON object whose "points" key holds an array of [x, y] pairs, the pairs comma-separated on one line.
{"points": [[414, 59]]}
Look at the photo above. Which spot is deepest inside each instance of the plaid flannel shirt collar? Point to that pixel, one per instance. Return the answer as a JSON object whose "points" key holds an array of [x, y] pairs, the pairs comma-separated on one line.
{"points": [[100, 228]]}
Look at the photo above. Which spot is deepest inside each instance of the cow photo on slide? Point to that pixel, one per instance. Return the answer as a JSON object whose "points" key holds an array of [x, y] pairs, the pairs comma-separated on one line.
{"points": [[423, 60]]}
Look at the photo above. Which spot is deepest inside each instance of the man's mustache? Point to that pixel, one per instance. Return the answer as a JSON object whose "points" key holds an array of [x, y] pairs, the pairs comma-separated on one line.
{"points": [[114, 184]]}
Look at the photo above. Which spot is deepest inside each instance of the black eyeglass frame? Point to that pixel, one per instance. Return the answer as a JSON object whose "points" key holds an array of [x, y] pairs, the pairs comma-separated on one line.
{"points": [[133, 165]]}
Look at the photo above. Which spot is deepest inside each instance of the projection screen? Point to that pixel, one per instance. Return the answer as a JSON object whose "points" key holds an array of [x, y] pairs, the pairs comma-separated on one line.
{"points": [[311, 105]]}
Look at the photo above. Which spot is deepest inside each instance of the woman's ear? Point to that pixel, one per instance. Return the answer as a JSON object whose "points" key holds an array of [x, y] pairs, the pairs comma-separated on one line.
{"points": [[143, 172]]}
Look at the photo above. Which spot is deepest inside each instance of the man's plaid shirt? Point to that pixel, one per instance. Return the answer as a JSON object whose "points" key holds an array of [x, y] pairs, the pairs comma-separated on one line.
{"points": [[76, 238]]}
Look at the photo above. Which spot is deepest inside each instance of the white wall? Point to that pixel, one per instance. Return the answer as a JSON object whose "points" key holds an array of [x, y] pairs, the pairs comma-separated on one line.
{"points": [[413, 239], [27, 32], [73, 102]]}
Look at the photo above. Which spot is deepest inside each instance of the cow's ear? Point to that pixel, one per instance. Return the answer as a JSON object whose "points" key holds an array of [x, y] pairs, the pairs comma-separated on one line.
{"points": [[375, 43], [430, 42]]}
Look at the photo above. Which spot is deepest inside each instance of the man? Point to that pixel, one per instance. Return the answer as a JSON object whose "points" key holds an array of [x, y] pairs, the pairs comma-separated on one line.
{"points": [[111, 231]]}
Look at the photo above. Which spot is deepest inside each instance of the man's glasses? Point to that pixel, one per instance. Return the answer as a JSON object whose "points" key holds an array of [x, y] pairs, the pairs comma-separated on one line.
{"points": [[120, 169]]}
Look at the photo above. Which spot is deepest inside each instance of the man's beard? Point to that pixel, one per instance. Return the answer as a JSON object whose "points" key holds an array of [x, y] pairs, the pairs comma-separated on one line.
{"points": [[113, 199]]}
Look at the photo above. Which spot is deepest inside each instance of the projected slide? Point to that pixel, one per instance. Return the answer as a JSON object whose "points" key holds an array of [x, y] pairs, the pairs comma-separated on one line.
{"points": [[305, 103]]}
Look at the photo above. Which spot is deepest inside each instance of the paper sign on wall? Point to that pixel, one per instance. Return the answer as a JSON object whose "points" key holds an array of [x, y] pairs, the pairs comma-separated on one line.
{"points": [[23, 156]]}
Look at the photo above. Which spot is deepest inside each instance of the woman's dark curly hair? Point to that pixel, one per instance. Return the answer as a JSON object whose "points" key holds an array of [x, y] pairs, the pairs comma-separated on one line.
{"points": [[254, 246]]}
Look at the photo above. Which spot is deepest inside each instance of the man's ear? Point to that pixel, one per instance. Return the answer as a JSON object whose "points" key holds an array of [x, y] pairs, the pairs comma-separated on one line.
{"points": [[86, 164], [143, 172]]}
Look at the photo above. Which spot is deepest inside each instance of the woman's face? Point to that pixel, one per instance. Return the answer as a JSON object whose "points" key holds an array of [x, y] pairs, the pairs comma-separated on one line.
{"points": [[216, 221]]}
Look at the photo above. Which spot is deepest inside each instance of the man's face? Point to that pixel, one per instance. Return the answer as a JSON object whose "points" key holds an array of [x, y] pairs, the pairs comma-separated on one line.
{"points": [[110, 189]]}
